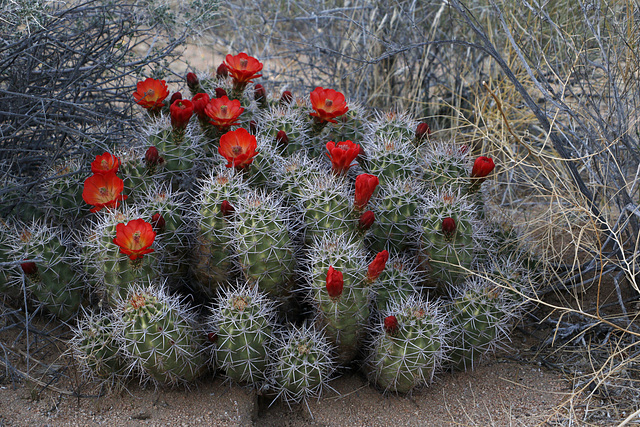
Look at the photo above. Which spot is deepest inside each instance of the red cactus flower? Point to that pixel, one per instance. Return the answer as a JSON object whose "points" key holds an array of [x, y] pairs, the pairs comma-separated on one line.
{"points": [[29, 268], [223, 112], [200, 101], [134, 238], [238, 147], [342, 154], [103, 191], [335, 282], [151, 93], [226, 208], [377, 265], [243, 68], [448, 227], [365, 186], [105, 163], [181, 112], [158, 222], [366, 220], [253, 127], [328, 104], [222, 72], [390, 324], [482, 167]]}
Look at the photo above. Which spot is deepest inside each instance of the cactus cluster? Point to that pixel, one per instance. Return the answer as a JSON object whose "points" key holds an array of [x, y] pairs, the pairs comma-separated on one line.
{"points": [[273, 238]]}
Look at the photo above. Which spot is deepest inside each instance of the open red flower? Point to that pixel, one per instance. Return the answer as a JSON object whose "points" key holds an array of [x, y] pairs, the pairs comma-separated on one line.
{"points": [[342, 154], [151, 93], [365, 186], [238, 147], [335, 282], [223, 112], [181, 112], [243, 68], [328, 104], [377, 265], [134, 238], [105, 163], [103, 191], [482, 167]]}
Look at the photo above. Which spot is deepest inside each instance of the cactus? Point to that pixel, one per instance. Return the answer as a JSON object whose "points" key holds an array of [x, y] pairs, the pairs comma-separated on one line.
{"points": [[444, 164], [95, 347], [408, 344], [49, 269], [451, 235], [159, 335], [262, 243], [344, 316], [244, 321], [302, 365], [213, 248], [106, 267], [64, 191], [401, 278], [479, 314]]}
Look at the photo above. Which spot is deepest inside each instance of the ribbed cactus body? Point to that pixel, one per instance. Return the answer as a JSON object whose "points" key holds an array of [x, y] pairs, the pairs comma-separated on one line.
{"points": [[9, 276], [479, 313], [302, 365], [180, 154], [450, 254], [106, 268], [400, 279], [444, 164], [95, 346], [213, 248], [287, 118], [159, 335], [63, 191], [262, 243], [245, 323], [408, 349], [326, 206], [351, 125], [343, 318], [395, 208], [55, 282]]}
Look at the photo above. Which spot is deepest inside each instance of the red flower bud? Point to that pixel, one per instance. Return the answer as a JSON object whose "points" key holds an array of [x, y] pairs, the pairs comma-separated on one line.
{"points": [[377, 265], [286, 98], [158, 223], [390, 324], [463, 149], [335, 283], [259, 94], [220, 92], [253, 127], [482, 167], [152, 157], [29, 268], [422, 131], [282, 139], [365, 186], [176, 96], [192, 81], [212, 337], [366, 220], [448, 227], [222, 72], [226, 208]]}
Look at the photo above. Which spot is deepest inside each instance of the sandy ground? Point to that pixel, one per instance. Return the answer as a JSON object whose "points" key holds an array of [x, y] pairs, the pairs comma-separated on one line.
{"points": [[499, 393]]}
